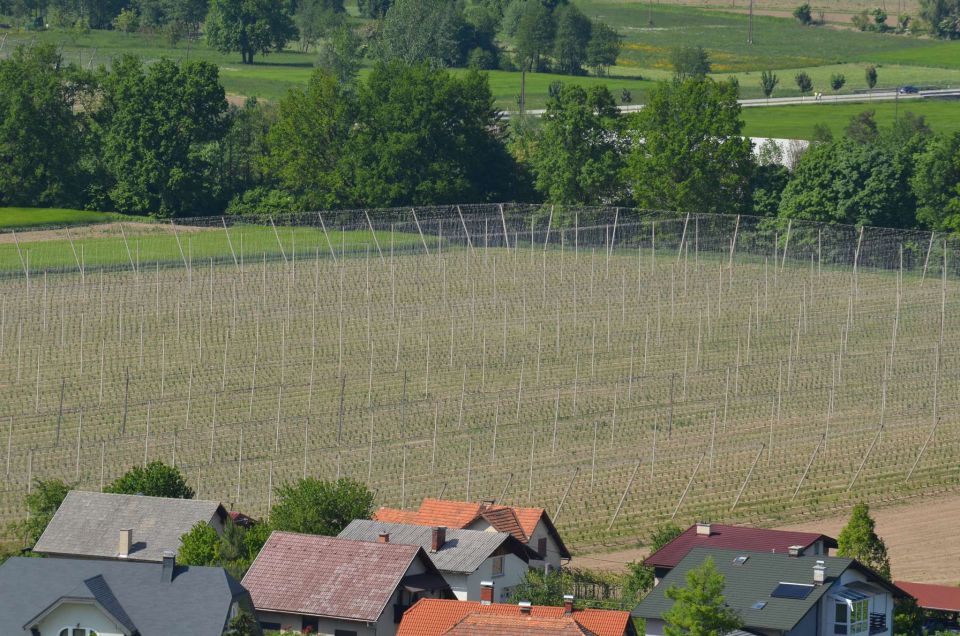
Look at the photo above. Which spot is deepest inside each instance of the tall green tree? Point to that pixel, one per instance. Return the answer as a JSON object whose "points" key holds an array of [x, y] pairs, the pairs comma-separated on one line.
{"points": [[375, 9], [416, 31], [768, 82], [943, 16], [42, 131], [535, 31], [603, 48], [156, 123], [936, 183], [42, 503], [425, 136], [846, 181], [689, 152], [640, 578], [870, 74], [249, 27], [859, 540], [314, 506], [837, 80], [234, 549], [689, 62], [699, 608], [571, 39], [156, 479], [804, 83], [341, 55], [306, 143], [577, 157]]}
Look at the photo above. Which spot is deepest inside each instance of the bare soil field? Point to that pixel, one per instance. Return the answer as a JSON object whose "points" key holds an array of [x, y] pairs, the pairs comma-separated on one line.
{"points": [[918, 536], [100, 230]]}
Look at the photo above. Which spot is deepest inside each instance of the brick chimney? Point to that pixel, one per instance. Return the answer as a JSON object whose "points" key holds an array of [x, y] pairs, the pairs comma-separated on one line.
{"points": [[169, 565], [126, 543], [703, 529], [525, 607], [384, 537], [568, 604], [486, 592], [437, 538]]}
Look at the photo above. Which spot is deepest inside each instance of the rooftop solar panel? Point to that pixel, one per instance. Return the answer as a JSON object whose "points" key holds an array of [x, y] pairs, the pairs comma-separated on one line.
{"points": [[797, 591]]}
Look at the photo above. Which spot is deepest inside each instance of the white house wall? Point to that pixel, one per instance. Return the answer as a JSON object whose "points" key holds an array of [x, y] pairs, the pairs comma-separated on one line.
{"points": [[82, 614], [514, 569]]}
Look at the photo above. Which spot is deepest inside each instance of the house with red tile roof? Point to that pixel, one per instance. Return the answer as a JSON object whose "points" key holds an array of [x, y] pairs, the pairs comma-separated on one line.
{"points": [[531, 526], [430, 617], [715, 535], [339, 586], [935, 598]]}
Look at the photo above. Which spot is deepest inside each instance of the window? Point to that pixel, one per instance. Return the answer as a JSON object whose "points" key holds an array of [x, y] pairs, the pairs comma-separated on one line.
{"points": [[859, 618], [344, 632], [76, 631], [840, 618], [542, 548], [498, 566]]}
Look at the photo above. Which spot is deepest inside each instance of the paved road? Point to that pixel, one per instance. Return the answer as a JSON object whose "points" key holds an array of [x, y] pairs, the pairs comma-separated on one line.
{"points": [[882, 95]]}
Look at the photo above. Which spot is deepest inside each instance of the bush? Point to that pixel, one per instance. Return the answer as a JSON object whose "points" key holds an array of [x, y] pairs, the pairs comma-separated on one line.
{"points": [[803, 14], [481, 59], [127, 21]]}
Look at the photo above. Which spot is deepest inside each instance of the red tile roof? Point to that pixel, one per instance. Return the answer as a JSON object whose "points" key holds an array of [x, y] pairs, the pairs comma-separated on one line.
{"points": [[733, 538], [496, 625], [933, 597], [433, 617], [520, 522], [327, 576]]}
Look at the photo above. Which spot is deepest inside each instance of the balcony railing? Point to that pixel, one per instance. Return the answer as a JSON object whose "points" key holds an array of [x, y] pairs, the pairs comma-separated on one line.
{"points": [[878, 623]]}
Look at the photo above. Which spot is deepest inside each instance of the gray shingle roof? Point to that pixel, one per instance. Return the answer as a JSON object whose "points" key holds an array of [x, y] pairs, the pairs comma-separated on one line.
{"points": [[463, 552], [89, 524], [196, 602], [749, 583]]}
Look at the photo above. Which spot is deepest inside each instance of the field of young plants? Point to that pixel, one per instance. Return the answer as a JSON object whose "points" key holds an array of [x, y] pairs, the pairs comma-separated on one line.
{"points": [[620, 369]]}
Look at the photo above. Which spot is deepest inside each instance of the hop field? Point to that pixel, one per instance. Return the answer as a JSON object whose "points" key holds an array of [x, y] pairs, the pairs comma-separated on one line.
{"points": [[620, 369]]}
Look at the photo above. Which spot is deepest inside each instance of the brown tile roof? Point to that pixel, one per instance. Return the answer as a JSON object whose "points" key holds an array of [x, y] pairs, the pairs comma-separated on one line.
{"points": [[520, 522], [498, 625], [326, 576], [733, 538], [433, 617]]}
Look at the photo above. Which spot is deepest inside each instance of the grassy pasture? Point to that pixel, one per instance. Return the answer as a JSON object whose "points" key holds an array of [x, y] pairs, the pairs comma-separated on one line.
{"points": [[32, 217], [497, 370], [797, 122], [777, 43]]}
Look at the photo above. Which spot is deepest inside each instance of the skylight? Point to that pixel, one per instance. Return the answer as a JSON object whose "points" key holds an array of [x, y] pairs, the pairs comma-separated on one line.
{"points": [[798, 591], [759, 605], [740, 560]]}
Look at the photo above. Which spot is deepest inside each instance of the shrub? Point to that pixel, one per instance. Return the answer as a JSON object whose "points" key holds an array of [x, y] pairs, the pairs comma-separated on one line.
{"points": [[803, 14]]}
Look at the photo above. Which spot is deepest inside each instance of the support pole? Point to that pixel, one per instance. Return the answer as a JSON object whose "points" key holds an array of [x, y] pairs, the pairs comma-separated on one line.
{"points": [[624, 496], [743, 486], [687, 489]]}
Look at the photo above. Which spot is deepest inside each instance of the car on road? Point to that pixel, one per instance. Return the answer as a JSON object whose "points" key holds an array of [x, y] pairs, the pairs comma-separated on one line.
{"points": [[909, 90]]}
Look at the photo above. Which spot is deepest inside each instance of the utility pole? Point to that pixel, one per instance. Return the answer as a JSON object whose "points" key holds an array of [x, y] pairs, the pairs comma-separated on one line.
{"points": [[750, 33]]}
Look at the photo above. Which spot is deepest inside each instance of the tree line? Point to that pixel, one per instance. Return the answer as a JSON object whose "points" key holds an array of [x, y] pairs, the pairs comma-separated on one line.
{"points": [[161, 139]]}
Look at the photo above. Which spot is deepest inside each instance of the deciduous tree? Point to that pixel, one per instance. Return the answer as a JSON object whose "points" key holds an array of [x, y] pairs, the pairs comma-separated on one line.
{"points": [[42, 503], [156, 479], [604, 47], [578, 156], [314, 506], [689, 62], [249, 26], [571, 39], [768, 82], [688, 152], [416, 31], [936, 182]]}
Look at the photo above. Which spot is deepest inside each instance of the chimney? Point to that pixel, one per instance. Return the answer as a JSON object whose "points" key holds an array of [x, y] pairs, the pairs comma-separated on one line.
{"points": [[568, 604], [437, 538], [525, 607], [486, 592], [819, 573], [169, 563], [703, 529], [384, 537], [795, 550], [126, 542]]}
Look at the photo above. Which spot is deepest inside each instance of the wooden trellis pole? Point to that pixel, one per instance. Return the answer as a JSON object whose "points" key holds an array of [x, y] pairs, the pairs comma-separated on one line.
{"points": [[743, 486], [623, 497], [926, 261], [866, 456], [566, 491], [936, 419], [426, 249], [685, 490], [806, 470]]}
